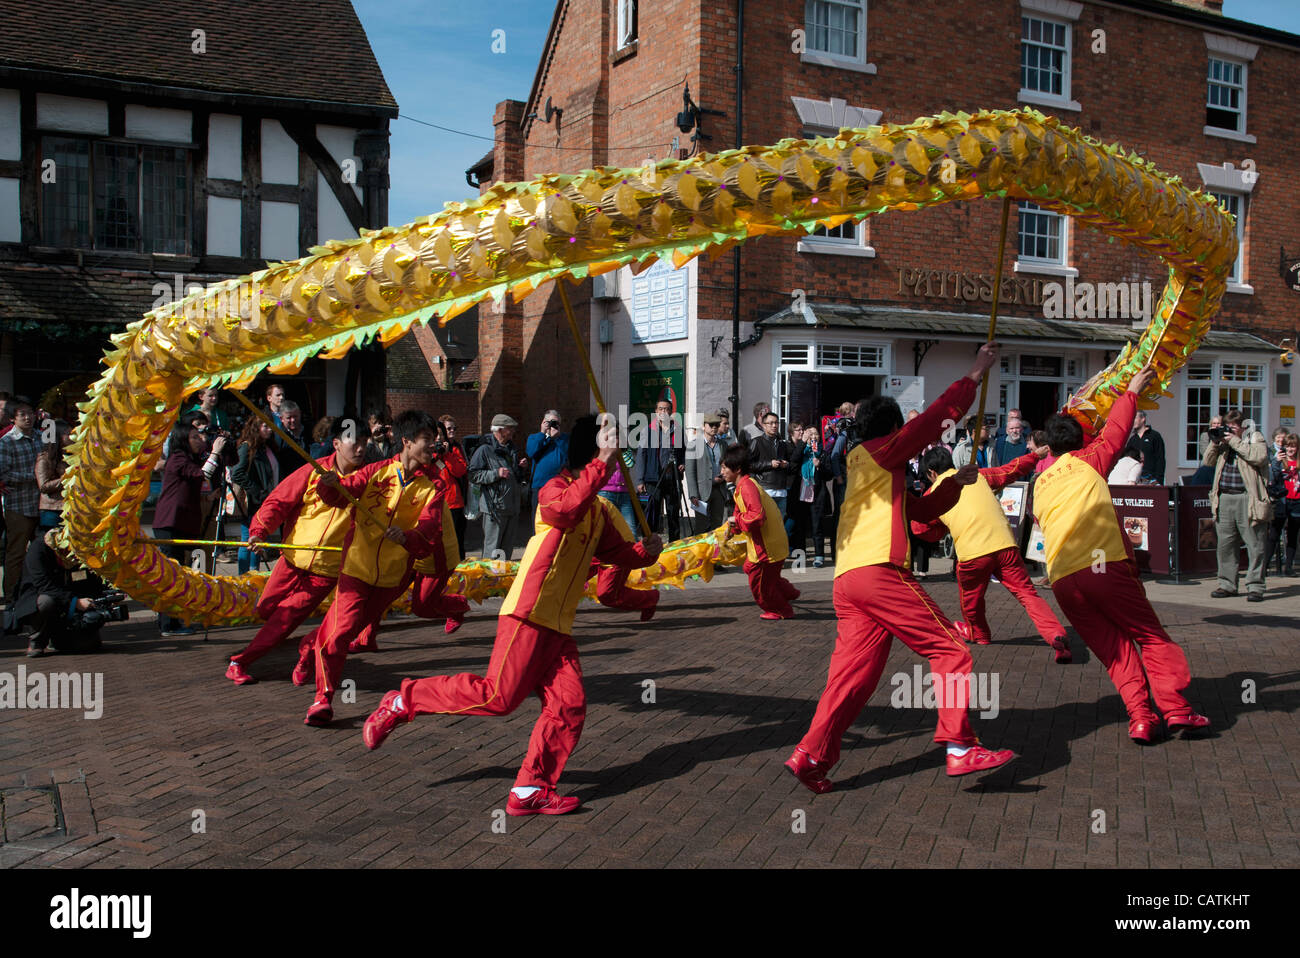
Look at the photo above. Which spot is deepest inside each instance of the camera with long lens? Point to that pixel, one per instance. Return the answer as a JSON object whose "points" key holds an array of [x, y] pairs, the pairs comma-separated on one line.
{"points": [[1217, 433]]}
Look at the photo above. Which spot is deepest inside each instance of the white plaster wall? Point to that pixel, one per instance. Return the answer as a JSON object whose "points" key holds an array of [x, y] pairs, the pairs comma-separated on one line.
{"points": [[156, 123], [340, 140], [225, 147], [279, 155], [279, 231], [331, 221], [10, 224], [225, 226], [71, 114], [10, 126]]}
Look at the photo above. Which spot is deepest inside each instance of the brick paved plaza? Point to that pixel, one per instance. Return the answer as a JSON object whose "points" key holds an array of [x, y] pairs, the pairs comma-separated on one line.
{"points": [[692, 779]]}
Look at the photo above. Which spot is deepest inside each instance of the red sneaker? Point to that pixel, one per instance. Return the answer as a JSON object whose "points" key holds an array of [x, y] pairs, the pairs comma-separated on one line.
{"points": [[235, 672], [304, 671], [964, 631], [809, 771], [775, 615], [357, 645], [383, 720], [978, 759], [1062, 646], [544, 801], [1188, 723], [454, 622], [320, 714], [1144, 731]]}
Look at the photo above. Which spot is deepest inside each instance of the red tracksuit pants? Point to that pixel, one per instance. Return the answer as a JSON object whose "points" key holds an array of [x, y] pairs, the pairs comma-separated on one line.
{"points": [[612, 589], [772, 591], [287, 601], [973, 581], [428, 601], [1111, 612], [525, 659], [357, 605], [873, 603]]}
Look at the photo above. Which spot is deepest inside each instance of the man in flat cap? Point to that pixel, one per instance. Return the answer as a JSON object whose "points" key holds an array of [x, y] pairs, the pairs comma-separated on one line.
{"points": [[498, 470], [704, 481]]}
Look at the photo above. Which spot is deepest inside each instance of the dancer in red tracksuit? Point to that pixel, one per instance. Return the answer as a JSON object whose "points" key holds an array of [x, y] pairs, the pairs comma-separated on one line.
{"points": [[982, 541], [534, 650], [405, 506], [875, 594], [1094, 574], [301, 579], [429, 599], [611, 580], [767, 548]]}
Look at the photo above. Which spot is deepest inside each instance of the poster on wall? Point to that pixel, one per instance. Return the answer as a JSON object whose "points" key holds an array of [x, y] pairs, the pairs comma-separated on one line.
{"points": [[659, 304], [908, 391], [653, 379]]}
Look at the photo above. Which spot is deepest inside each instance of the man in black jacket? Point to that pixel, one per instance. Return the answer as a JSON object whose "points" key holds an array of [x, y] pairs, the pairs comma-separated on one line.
{"points": [[53, 594], [660, 465], [774, 462]]}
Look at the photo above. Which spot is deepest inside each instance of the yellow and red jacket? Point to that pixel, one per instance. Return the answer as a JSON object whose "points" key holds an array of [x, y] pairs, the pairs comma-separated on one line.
{"points": [[412, 503], [873, 520], [447, 556], [572, 529], [296, 507], [1072, 502], [977, 522], [759, 518]]}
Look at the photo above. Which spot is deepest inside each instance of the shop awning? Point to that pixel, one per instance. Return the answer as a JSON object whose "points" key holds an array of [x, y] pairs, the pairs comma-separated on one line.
{"points": [[929, 324]]}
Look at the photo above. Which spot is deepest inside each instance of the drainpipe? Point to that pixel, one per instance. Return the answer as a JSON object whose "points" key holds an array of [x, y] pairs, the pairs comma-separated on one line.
{"points": [[735, 256]]}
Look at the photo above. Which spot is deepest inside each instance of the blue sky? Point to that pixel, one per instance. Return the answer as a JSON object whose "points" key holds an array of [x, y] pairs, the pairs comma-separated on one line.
{"points": [[438, 60]]}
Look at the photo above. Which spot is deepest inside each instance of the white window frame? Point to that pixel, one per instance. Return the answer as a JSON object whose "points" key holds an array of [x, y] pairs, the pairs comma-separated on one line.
{"points": [[827, 59], [1045, 267], [1061, 13], [1237, 280], [1231, 50], [626, 24], [835, 245], [1068, 383], [1216, 384]]}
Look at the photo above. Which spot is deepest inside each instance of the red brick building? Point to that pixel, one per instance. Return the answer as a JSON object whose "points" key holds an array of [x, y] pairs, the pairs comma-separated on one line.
{"points": [[901, 301]]}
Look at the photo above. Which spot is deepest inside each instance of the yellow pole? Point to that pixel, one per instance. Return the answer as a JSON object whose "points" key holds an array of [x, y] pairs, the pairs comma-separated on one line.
{"points": [[600, 404], [224, 542], [302, 452], [993, 324]]}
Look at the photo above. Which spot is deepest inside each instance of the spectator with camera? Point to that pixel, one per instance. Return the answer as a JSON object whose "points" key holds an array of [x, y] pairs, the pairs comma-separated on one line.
{"points": [[381, 445], [548, 451], [63, 605], [1239, 502]]}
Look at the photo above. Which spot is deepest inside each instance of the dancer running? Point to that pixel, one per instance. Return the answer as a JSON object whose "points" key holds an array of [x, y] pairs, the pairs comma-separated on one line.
{"points": [[982, 542], [767, 547], [405, 508], [1094, 574], [534, 650], [875, 594], [301, 579]]}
